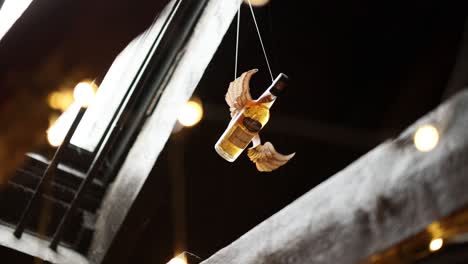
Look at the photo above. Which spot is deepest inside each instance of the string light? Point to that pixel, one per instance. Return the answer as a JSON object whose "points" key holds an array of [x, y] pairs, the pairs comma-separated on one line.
{"points": [[436, 244], [58, 130], [84, 93], [426, 138], [60, 100], [54, 137], [69, 102], [191, 113]]}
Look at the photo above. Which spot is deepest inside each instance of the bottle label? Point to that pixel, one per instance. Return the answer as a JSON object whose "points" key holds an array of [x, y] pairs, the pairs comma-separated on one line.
{"points": [[240, 138], [251, 124]]}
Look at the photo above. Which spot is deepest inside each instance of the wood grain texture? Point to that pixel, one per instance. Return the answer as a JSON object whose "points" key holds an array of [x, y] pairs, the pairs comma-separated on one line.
{"points": [[37, 247], [389, 194], [204, 41]]}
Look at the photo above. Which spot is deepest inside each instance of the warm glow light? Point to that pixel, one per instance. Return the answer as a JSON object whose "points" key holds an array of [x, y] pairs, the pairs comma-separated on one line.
{"points": [[177, 260], [436, 244], [257, 2], [52, 119], [84, 93], [191, 113], [58, 130], [60, 100], [54, 136], [426, 138]]}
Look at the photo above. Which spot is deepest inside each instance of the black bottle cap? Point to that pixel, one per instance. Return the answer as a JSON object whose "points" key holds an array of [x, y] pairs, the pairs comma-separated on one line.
{"points": [[279, 84]]}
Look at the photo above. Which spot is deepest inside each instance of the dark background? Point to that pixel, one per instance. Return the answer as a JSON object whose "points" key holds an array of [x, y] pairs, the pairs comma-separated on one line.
{"points": [[361, 71]]}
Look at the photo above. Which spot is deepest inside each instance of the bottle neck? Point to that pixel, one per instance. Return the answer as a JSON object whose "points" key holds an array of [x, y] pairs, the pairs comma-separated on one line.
{"points": [[267, 98], [270, 95]]}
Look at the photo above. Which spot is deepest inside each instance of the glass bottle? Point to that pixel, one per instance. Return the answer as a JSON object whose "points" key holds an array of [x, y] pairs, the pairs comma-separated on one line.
{"points": [[249, 121]]}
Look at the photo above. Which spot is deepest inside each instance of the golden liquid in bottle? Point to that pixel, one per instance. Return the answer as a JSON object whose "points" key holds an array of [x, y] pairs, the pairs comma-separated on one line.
{"points": [[242, 129]]}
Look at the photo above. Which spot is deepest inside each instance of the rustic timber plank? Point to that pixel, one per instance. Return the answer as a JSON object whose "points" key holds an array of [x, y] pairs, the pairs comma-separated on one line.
{"points": [[389, 194], [115, 84], [214, 22], [37, 247]]}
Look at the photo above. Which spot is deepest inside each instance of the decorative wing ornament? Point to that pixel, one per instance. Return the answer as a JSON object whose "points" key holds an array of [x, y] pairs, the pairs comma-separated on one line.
{"points": [[238, 94], [265, 157]]}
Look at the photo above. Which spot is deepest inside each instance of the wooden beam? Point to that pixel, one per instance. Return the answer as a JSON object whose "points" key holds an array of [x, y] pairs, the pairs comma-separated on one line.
{"points": [[193, 59], [37, 247], [115, 85], [389, 194], [10, 13]]}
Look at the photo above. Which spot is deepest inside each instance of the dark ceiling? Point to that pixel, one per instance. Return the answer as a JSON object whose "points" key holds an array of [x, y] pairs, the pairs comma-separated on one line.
{"points": [[361, 71]]}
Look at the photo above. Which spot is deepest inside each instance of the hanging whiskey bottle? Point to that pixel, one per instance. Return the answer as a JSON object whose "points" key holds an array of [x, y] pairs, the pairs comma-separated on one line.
{"points": [[249, 121]]}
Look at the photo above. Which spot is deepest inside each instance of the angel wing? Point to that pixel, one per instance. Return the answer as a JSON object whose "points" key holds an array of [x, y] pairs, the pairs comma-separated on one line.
{"points": [[238, 94], [265, 157]]}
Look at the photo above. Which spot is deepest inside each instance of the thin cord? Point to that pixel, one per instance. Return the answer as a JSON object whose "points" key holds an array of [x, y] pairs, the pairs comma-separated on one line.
{"points": [[275, 43], [261, 41], [237, 41]]}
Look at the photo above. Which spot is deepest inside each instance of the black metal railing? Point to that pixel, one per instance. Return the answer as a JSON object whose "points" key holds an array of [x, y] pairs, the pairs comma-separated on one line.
{"points": [[47, 176], [136, 106]]}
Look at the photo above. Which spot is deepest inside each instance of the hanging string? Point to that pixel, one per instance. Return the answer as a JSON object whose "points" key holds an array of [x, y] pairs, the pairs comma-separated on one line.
{"points": [[275, 44], [237, 41], [261, 41], [259, 37]]}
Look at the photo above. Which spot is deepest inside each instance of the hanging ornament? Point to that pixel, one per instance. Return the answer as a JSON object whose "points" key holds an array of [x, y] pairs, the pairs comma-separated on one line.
{"points": [[250, 116]]}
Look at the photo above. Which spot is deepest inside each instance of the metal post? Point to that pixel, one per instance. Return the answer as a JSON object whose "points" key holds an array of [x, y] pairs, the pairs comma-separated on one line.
{"points": [[47, 176], [90, 175]]}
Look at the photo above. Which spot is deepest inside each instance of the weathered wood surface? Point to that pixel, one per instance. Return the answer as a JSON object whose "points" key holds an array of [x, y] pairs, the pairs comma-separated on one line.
{"points": [[391, 193], [34, 246], [203, 43], [112, 90]]}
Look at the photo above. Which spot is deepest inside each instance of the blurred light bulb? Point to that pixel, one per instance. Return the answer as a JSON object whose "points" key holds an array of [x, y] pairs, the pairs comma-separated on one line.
{"points": [[84, 93], [257, 2], [60, 100], [52, 119], [436, 244], [58, 130], [191, 113], [54, 136], [177, 260], [426, 138]]}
